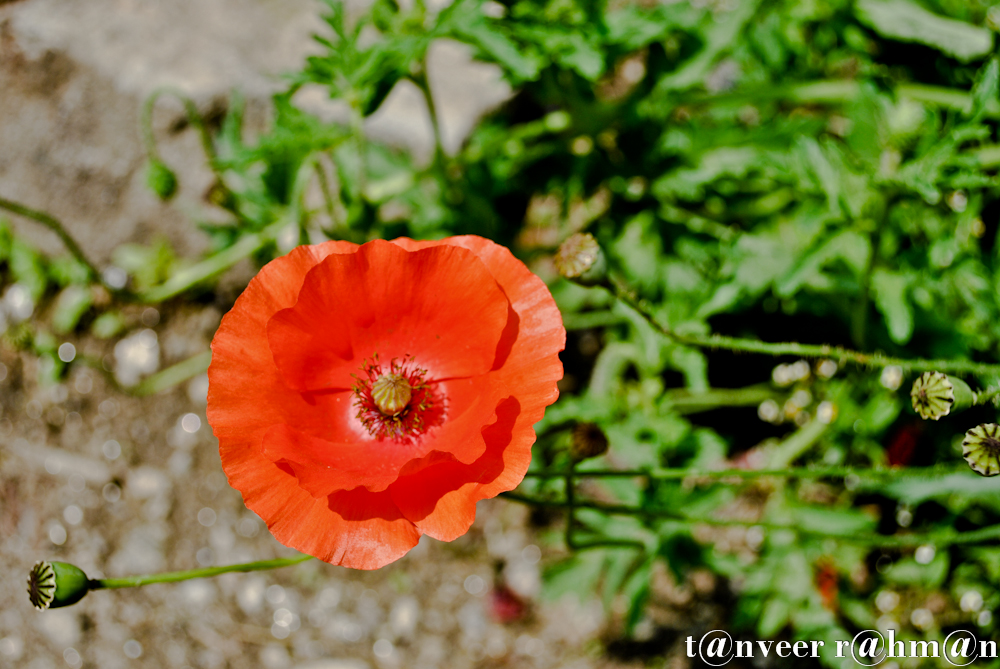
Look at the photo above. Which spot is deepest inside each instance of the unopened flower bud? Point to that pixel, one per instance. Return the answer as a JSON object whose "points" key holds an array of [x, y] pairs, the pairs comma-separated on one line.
{"points": [[589, 441], [160, 179], [935, 395], [55, 584], [981, 449], [581, 259]]}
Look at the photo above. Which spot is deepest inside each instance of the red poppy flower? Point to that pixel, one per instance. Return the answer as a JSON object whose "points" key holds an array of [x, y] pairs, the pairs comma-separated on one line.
{"points": [[366, 395]]}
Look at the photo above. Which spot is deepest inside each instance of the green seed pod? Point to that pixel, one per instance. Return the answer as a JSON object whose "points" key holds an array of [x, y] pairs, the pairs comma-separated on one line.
{"points": [[981, 449], [936, 395], [55, 584], [589, 441], [581, 259], [160, 179]]}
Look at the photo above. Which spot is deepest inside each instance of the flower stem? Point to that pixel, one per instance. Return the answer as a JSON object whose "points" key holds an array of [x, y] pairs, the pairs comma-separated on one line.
{"points": [[939, 538], [223, 260], [193, 116], [623, 293], [57, 227], [174, 576], [668, 474]]}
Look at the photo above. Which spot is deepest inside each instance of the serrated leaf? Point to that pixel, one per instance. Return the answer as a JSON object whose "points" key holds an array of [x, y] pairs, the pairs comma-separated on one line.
{"points": [[987, 88]]}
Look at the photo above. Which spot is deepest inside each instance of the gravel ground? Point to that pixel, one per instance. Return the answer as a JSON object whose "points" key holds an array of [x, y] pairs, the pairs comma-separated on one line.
{"points": [[121, 485]]}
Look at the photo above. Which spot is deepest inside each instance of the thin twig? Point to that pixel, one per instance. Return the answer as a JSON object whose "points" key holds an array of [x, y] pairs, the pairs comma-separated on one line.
{"points": [[941, 538], [626, 295], [55, 226]]}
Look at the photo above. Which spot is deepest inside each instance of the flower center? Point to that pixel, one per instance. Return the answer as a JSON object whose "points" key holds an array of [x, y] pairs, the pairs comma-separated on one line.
{"points": [[394, 401], [391, 393]]}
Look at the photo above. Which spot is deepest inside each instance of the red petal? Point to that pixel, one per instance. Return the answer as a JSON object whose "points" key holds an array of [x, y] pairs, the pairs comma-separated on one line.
{"points": [[441, 500], [246, 397], [344, 456], [440, 305]]}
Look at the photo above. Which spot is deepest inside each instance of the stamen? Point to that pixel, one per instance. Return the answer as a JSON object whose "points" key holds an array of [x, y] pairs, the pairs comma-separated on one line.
{"points": [[396, 403]]}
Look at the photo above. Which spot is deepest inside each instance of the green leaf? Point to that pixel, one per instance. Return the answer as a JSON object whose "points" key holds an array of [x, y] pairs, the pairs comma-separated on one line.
{"points": [[73, 302], [6, 239], [636, 592], [28, 270], [774, 617], [907, 21], [837, 522], [107, 325], [465, 22], [987, 88], [913, 490], [67, 271], [577, 575], [910, 572], [891, 297]]}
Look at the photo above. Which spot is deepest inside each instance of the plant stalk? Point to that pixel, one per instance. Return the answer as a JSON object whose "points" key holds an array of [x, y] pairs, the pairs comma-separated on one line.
{"points": [[174, 576]]}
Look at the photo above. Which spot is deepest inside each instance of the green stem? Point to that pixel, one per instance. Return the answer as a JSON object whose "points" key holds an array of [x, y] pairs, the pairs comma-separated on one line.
{"points": [[193, 116], [57, 227], [984, 396], [940, 538], [670, 474], [197, 122], [209, 267], [571, 541], [844, 91], [684, 401], [623, 293], [324, 186], [423, 84], [174, 576]]}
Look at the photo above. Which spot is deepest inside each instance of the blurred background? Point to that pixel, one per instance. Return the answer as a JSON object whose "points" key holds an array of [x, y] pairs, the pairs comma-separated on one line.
{"points": [[818, 171]]}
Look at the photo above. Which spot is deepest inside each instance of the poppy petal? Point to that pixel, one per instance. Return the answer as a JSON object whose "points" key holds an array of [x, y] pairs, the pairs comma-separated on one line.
{"points": [[345, 457], [441, 500], [440, 303]]}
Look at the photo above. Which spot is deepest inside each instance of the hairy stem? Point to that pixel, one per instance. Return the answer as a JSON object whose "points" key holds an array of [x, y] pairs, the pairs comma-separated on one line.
{"points": [[939, 538], [174, 576], [670, 474], [626, 295]]}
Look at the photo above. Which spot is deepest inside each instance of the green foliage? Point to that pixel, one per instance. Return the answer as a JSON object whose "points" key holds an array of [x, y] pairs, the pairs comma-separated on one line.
{"points": [[824, 172]]}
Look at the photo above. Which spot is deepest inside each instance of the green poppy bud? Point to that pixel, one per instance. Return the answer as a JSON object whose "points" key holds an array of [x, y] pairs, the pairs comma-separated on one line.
{"points": [[55, 584], [581, 259], [160, 179], [981, 449], [935, 395]]}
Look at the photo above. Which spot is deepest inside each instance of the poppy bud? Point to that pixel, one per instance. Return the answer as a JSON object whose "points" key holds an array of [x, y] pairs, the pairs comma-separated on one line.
{"points": [[581, 259], [55, 584], [935, 395], [981, 449], [589, 441], [160, 179]]}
